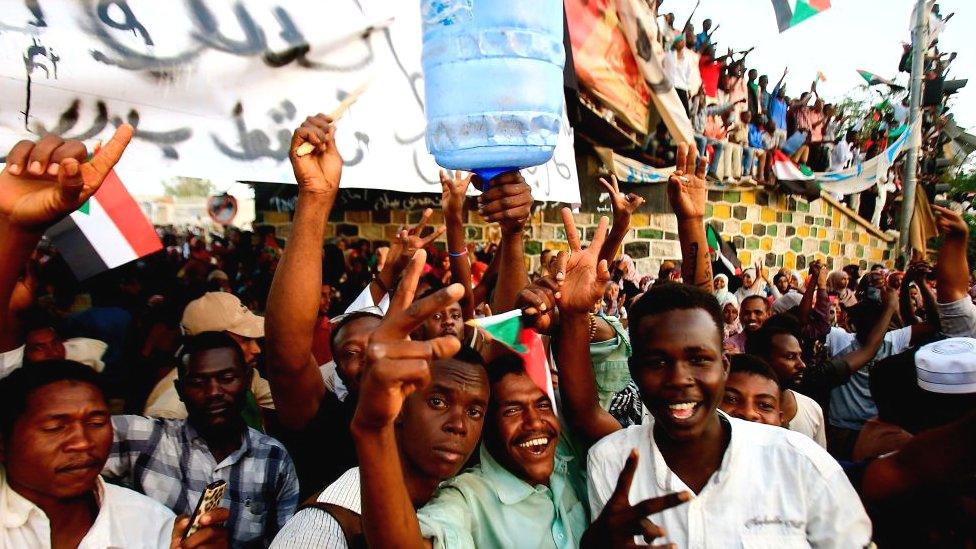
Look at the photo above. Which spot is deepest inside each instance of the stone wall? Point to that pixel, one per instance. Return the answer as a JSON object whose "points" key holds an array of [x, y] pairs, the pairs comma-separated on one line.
{"points": [[785, 231]]}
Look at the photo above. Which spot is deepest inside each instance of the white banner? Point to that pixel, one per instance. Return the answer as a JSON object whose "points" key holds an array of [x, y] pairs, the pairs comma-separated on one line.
{"points": [[215, 88], [867, 174]]}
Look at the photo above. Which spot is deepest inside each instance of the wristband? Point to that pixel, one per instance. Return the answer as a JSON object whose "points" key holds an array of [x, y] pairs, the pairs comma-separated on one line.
{"points": [[592, 327], [458, 254]]}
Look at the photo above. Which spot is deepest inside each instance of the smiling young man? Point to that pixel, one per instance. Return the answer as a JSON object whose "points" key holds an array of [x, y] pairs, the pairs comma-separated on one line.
{"points": [[172, 461], [753, 312], [752, 484], [525, 490], [752, 391]]}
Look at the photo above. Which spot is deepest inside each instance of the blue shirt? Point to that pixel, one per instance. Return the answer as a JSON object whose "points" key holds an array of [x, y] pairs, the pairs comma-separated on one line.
{"points": [[777, 109], [755, 136], [851, 404], [167, 460]]}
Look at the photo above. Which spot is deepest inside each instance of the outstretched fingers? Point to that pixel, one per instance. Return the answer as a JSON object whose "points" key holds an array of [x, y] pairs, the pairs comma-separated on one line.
{"points": [[422, 309], [403, 297], [94, 171], [682, 157], [571, 234], [621, 494], [601, 233], [698, 167]]}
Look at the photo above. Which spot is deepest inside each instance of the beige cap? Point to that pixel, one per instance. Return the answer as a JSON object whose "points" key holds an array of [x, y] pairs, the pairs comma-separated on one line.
{"points": [[221, 312]]}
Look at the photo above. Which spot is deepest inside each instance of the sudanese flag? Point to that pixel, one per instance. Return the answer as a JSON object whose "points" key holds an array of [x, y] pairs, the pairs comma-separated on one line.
{"points": [[107, 231]]}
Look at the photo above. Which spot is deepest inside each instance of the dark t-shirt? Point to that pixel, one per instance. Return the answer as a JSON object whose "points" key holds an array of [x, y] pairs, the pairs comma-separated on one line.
{"points": [[324, 449]]}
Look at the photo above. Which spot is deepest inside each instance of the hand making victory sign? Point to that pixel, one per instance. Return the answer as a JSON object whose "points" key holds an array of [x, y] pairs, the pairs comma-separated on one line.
{"points": [[586, 275], [395, 365], [49, 179], [620, 521], [687, 194], [624, 206]]}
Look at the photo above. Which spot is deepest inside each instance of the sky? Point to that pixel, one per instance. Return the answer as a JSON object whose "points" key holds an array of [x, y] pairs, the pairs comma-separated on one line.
{"points": [[851, 35]]}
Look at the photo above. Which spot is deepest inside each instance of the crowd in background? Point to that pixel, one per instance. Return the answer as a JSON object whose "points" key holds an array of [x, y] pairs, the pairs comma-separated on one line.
{"points": [[346, 394], [741, 119]]}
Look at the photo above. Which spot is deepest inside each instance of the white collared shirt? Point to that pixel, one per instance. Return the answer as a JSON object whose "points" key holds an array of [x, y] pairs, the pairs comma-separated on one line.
{"points": [[774, 488], [126, 519]]}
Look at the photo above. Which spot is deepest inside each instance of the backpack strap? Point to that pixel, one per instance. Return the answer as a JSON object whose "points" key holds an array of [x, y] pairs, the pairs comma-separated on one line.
{"points": [[350, 521]]}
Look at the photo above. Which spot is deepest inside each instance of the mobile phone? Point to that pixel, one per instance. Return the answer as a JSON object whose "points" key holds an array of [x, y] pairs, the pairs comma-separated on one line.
{"points": [[209, 500]]}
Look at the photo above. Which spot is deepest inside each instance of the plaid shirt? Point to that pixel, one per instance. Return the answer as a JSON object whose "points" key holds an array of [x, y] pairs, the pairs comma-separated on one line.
{"points": [[168, 461]]}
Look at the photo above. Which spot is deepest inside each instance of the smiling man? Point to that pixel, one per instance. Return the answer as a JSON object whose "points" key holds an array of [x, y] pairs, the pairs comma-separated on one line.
{"points": [[752, 391], [172, 461], [753, 312], [752, 484]]}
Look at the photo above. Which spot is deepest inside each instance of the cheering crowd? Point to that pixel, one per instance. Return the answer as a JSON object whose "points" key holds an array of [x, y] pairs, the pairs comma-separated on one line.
{"points": [[361, 407], [740, 121]]}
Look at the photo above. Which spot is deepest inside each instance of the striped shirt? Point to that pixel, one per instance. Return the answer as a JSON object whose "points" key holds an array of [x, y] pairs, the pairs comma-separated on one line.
{"points": [[170, 462], [314, 528]]}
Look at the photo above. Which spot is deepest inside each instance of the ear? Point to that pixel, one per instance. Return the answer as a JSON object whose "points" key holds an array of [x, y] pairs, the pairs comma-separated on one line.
{"points": [[726, 366]]}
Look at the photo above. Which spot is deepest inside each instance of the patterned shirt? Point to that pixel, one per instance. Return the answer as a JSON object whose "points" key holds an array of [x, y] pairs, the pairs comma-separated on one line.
{"points": [[170, 462]]}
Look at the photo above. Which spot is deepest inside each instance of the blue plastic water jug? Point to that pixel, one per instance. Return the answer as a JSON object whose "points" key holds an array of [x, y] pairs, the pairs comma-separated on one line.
{"points": [[493, 73]]}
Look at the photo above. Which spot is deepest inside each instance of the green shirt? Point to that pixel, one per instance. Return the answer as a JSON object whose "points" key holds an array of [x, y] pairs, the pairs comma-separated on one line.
{"points": [[489, 507], [610, 362]]}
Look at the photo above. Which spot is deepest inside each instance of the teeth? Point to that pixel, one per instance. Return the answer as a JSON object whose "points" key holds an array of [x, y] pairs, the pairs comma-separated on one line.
{"points": [[682, 406], [535, 443]]}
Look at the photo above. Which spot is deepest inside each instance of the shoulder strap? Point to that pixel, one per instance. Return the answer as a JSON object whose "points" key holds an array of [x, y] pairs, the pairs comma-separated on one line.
{"points": [[350, 521]]}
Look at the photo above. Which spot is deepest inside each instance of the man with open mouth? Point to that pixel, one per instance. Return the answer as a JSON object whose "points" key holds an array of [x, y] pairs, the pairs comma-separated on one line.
{"points": [[691, 447]]}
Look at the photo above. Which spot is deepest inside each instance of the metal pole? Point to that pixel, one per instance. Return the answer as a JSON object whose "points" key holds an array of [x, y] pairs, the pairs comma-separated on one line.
{"points": [[919, 42]]}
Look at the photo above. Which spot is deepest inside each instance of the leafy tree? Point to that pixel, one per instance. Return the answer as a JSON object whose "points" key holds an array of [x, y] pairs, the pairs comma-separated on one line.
{"points": [[186, 187]]}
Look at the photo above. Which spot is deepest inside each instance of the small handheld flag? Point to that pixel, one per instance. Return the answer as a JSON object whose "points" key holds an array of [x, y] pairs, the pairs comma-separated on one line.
{"points": [[107, 231], [507, 329]]}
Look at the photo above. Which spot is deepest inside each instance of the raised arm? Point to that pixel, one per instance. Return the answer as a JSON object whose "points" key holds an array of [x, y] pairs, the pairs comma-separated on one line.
{"points": [[687, 195], [508, 201], [859, 358], [42, 183], [952, 269], [585, 276], [624, 206], [781, 79], [395, 368], [453, 189], [296, 383]]}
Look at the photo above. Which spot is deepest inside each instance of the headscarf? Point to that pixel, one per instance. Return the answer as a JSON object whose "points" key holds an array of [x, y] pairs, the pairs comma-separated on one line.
{"points": [[722, 294], [736, 327], [631, 275], [844, 294], [758, 286]]}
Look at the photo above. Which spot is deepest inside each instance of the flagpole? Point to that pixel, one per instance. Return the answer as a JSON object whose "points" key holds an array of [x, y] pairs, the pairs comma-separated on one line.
{"points": [[919, 40]]}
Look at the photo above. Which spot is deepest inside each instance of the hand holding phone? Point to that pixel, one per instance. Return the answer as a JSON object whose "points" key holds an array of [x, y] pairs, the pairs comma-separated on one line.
{"points": [[209, 500]]}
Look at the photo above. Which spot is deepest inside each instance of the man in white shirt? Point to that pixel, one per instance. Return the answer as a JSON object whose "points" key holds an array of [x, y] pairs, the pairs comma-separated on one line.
{"points": [[682, 69], [753, 483], [780, 347], [841, 154], [56, 433]]}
